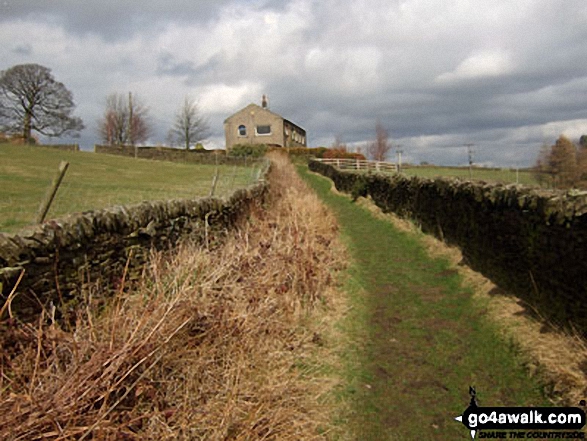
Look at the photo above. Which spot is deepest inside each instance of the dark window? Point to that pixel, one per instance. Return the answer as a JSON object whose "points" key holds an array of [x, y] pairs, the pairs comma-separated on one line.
{"points": [[263, 130], [242, 130]]}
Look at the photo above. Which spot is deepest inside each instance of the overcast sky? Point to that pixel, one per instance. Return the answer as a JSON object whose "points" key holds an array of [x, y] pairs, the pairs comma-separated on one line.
{"points": [[505, 75]]}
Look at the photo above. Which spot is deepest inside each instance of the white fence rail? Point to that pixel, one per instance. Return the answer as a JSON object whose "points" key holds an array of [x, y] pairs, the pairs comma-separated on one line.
{"points": [[358, 164]]}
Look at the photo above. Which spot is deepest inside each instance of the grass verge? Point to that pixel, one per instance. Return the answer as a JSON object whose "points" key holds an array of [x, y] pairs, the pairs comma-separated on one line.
{"points": [[557, 356], [416, 338], [96, 181]]}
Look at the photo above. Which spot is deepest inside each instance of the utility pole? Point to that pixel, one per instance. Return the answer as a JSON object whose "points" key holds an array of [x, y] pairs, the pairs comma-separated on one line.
{"points": [[470, 155], [399, 158], [129, 136]]}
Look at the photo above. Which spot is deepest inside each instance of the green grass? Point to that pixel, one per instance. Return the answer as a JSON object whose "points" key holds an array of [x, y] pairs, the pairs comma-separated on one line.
{"points": [[504, 175], [415, 339], [95, 181]]}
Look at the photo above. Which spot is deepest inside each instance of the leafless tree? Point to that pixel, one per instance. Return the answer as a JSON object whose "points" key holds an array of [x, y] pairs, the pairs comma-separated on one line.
{"points": [[31, 100], [189, 126], [541, 170], [338, 144], [379, 149], [125, 121]]}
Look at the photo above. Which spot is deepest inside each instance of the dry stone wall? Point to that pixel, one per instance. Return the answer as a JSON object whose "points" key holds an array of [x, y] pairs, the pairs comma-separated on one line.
{"points": [[58, 258], [529, 241], [170, 154], [63, 147]]}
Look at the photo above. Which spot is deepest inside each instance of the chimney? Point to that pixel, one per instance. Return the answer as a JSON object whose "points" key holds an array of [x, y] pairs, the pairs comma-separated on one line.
{"points": [[264, 102]]}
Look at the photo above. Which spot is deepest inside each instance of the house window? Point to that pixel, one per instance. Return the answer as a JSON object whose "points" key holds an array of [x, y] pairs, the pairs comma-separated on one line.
{"points": [[242, 130], [263, 130]]}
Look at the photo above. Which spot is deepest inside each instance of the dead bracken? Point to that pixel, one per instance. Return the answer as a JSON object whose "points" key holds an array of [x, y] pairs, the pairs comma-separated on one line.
{"points": [[210, 344]]}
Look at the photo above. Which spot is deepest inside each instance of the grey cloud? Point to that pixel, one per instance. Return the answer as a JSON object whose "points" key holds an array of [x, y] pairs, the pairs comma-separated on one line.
{"points": [[167, 65], [23, 49], [423, 69], [112, 19]]}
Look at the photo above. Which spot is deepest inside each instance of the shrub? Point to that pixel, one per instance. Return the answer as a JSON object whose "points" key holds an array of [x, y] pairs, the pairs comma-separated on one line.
{"points": [[248, 150], [340, 154], [317, 152], [359, 189]]}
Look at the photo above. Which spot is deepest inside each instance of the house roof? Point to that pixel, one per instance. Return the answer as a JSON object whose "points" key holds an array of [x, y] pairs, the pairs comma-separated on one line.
{"points": [[257, 107]]}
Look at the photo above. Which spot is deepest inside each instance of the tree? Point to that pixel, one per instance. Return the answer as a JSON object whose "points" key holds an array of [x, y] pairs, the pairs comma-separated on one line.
{"points": [[125, 121], [31, 100], [582, 162], [338, 144], [561, 162], [189, 127], [379, 149], [541, 171]]}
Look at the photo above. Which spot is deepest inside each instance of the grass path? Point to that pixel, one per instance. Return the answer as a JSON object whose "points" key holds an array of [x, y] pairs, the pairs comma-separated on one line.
{"points": [[415, 338]]}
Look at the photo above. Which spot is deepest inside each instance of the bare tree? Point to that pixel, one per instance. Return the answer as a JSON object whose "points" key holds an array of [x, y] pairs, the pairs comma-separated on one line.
{"points": [[541, 171], [113, 125], [125, 121], [31, 100], [379, 149], [189, 126], [338, 144]]}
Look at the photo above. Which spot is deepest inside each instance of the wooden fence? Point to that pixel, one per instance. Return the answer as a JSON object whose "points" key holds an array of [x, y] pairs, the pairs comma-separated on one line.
{"points": [[358, 164]]}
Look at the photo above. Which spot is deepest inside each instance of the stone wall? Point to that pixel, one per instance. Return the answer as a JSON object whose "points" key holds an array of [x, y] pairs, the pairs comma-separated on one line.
{"points": [[59, 257], [171, 154], [530, 242], [64, 147]]}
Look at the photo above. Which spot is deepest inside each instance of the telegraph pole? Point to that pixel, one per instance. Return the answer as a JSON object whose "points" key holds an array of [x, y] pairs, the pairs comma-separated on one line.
{"points": [[130, 121], [399, 158], [470, 155]]}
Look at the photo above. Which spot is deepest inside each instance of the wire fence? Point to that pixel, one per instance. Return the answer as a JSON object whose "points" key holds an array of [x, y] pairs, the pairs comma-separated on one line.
{"points": [[98, 181], [498, 175]]}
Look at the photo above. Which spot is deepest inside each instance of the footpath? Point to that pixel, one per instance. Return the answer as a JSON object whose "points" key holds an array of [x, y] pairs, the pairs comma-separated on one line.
{"points": [[414, 339]]}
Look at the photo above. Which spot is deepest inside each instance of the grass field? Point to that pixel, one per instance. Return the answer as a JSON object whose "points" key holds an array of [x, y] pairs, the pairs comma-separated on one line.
{"points": [[96, 181], [504, 175]]}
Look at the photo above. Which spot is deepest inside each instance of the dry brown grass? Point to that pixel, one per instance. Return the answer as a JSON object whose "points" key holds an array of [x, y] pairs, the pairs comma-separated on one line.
{"points": [[557, 357], [227, 344]]}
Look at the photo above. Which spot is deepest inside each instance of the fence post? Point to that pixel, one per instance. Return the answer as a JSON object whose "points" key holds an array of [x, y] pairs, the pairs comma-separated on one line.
{"points": [[233, 178], [377, 166], [214, 181], [46, 203]]}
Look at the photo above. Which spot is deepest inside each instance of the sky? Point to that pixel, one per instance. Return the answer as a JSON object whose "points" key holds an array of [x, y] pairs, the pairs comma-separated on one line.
{"points": [[506, 76]]}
